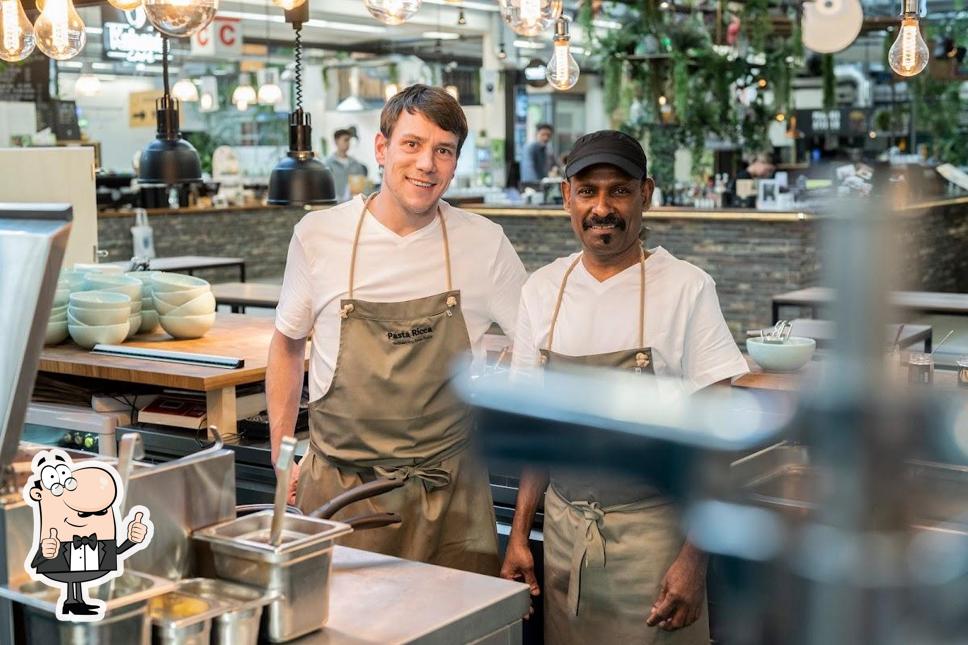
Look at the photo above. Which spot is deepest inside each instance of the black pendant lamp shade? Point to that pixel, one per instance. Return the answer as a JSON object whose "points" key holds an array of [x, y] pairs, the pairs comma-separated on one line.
{"points": [[300, 179], [168, 159]]}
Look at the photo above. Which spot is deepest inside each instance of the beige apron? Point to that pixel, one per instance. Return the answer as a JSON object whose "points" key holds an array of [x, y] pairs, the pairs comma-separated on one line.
{"points": [[608, 540], [390, 412]]}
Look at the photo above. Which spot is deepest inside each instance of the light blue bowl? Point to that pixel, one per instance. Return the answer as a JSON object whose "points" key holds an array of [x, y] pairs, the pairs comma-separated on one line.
{"points": [[791, 355]]}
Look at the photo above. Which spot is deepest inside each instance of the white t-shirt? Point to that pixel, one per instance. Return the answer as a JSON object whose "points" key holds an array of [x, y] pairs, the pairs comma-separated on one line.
{"points": [[391, 268], [683, 322]]}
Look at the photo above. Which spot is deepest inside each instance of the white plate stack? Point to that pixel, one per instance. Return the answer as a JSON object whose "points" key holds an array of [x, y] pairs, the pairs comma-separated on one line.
{"points": [[57, 323], [185, 304], [99, 317], [118, 283], [149, 317]]}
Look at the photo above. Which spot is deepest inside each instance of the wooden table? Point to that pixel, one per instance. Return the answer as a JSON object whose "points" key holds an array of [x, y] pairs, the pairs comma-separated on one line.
{"points": [[757, 379], [240, 295], [824, 332], [191, 263], [921, 301], [233, 335]]}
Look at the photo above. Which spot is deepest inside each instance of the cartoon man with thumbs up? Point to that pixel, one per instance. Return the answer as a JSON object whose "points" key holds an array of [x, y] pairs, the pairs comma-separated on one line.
{"points": [[76, 512]]}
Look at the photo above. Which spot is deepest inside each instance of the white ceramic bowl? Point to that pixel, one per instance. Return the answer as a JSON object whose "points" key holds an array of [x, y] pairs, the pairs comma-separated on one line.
{"points": [[73, 280], [163, 281], [95, 317], [89, 336], [134, 324], [58, 313], [61, 296], [87, 267], [789, 356], [149, 320], [100, 300], [56, 332], [187, 326], [116, 283], [177, 298], [200, 306]]}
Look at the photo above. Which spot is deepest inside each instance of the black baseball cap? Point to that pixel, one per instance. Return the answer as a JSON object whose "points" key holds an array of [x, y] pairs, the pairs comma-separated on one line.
{"points": [[608, 147]]}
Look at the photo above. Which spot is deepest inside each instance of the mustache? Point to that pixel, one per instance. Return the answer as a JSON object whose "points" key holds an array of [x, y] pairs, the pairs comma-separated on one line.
{"points": [[609, 220]]}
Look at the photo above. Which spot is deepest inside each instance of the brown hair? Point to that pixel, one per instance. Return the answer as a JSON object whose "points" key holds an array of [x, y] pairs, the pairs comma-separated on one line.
{"points": [[434, 103]]}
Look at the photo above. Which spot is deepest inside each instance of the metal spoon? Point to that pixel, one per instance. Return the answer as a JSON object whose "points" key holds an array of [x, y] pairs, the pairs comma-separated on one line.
{"points": [[943, 340], [283, 472]]}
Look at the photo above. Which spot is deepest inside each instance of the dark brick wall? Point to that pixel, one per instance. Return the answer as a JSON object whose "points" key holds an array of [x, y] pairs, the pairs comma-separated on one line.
{"points": [[749, 260], [260, 236]]}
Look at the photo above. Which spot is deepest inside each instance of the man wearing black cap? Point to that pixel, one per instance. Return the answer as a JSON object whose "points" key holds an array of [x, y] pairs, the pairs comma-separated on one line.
{"points": [[617, 568]]}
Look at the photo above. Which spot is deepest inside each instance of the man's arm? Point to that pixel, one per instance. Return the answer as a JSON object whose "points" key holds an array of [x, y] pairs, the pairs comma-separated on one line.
{"points": [[683, 592], [518, 561], [284, 382]]}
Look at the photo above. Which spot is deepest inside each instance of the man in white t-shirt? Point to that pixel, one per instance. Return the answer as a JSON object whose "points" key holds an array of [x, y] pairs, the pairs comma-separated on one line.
{"points": [[617, 569], [395, 290]]}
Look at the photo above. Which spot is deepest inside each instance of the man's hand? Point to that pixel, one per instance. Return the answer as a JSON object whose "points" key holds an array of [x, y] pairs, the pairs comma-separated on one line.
{"points": [[137, 530], [293, 482], [50, 546], [683, 592], [519, 565]]}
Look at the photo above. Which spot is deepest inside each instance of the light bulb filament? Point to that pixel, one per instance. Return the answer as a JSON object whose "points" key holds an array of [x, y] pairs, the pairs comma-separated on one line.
{"points": [[10, 26], [909, 44], [561, 62]]}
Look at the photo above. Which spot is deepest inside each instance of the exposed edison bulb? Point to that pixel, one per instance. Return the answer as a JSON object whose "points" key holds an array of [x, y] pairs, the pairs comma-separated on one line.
{"points": [[180, 18], [908, 55], [185, 90], [392, 12], [562, 70], [530, 17], [18, 33], [59, 30], [288, 5], [125, 5]]}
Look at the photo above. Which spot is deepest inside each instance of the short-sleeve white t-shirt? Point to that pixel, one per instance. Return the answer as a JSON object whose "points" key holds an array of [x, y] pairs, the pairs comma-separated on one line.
{"points": [[392, 268], [684, 325]]}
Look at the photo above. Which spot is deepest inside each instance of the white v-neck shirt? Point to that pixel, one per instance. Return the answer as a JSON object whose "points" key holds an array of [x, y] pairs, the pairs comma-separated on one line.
{"points": [[684, 325], [392, 268]]}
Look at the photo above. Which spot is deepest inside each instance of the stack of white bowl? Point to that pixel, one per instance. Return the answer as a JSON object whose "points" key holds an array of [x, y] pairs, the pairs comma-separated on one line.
{"points": [[185, 304], [149, 317], [119, 283], [98, 317], [57, 323]]}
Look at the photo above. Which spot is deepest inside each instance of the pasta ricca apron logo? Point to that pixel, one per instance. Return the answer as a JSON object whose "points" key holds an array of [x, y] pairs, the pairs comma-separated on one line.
{"points": [[415, 334]]}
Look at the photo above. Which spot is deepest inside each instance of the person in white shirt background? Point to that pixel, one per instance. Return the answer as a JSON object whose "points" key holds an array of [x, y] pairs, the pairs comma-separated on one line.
{"points": [[616, 567], [394, 289]]}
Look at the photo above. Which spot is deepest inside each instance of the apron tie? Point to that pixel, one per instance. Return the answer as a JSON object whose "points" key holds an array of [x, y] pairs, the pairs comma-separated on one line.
{"points": [[431, 476], [587, 550]]}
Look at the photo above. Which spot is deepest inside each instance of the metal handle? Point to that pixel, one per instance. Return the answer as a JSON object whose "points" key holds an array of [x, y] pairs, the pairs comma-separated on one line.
{"points": [[373, 521], [364, 491]]}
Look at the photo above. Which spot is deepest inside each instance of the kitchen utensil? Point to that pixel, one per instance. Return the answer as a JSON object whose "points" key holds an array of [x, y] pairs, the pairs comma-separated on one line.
{"points": [[920, 368], [238, 621], [283, 472], [943, 341]]}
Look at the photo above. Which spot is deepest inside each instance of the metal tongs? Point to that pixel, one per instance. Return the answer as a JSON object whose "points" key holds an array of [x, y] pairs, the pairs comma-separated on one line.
{"points": [[778, 334]]}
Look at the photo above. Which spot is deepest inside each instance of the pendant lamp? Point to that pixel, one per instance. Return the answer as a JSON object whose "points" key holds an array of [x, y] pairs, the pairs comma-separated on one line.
{"points": [[168, 159], [299, 178]]}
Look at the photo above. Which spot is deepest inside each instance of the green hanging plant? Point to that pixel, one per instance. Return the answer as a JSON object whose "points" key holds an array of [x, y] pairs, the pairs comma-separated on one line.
{"points": [[829, 81]]}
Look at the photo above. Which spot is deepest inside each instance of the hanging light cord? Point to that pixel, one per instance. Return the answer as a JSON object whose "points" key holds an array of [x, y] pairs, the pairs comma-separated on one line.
{"points": [[164, 63], [298, 57]]}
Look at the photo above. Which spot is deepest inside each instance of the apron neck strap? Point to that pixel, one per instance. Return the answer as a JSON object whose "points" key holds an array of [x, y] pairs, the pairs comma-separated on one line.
{"points": [[561, 294], [356, 243]]}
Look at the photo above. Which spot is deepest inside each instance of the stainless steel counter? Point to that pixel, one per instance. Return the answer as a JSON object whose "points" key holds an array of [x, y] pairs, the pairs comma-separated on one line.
{"points": [[378, 599]]}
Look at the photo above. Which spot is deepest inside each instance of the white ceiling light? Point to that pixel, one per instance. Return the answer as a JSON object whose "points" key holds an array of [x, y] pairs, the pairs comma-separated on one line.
{"points": [[269, 92], [87, 84], [185, 90], [244, 95], [529, 44], [352, 103], [440, 35]]}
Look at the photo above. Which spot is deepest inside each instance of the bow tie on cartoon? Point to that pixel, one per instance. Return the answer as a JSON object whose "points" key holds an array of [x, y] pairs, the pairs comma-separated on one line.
{"points": [[80, 540]]}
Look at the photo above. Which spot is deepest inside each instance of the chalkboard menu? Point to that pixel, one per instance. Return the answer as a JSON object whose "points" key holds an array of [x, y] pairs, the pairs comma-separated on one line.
{"points": [[27, 80]]}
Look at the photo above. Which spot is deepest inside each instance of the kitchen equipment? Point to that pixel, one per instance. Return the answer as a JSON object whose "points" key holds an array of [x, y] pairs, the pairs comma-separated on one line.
{"points": [[283, 472], [296, 571], [783, 356], [125, 614], [178, 618], [72, 426], [920, 368], [238, 621]]}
